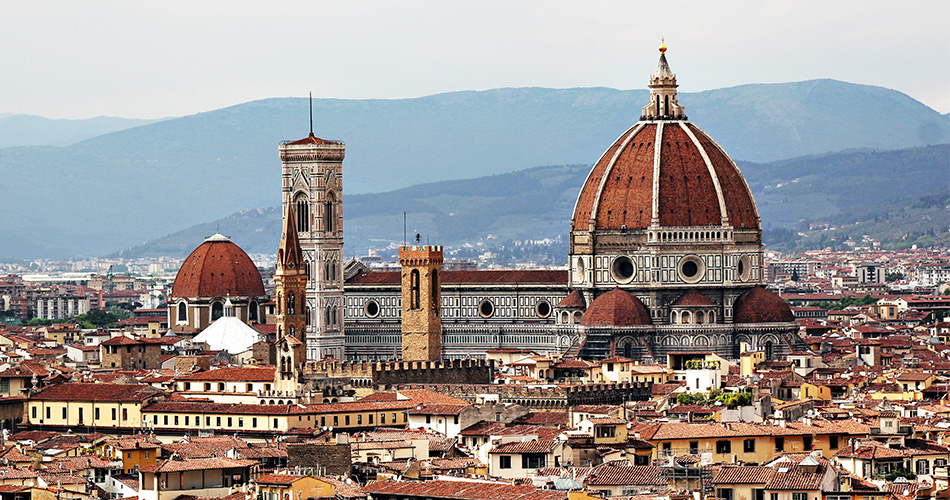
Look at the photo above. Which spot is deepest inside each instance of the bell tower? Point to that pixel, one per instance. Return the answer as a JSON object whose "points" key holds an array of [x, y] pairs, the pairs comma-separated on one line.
{"points": [[290, 281], [312, 181], [421, 302]]}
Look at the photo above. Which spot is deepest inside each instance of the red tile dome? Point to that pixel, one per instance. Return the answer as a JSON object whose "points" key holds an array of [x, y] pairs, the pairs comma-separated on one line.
{"points": [[218, 268], [758, 305], [693, 298], [616, 308], [573, 300], [695, 183]]}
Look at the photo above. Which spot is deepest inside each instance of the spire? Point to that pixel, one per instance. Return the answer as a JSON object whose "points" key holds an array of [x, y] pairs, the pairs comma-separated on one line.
{"points": [[290, 255], [311, 114], [663, 105], [228, 306]]}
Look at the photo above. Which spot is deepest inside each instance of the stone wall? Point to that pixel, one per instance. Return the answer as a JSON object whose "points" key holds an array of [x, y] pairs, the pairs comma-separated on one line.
{"points": [[329, 458]]}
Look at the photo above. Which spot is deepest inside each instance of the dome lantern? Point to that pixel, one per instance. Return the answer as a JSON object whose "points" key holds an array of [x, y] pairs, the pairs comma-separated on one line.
{"points": [[663, 105]]}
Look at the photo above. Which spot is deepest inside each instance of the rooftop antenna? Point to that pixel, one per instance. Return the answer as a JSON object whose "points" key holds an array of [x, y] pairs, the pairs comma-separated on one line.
{"points": [[311, 114]]}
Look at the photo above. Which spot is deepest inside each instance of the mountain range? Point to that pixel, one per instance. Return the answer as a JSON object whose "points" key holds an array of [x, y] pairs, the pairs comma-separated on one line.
{"points": [[853, 189], [32, 130], [119, 189]]}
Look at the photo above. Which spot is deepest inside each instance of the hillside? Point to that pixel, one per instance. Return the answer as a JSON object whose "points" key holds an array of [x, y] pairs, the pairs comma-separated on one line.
{"points": [[121, 188], [898, 197], [29, 130]]}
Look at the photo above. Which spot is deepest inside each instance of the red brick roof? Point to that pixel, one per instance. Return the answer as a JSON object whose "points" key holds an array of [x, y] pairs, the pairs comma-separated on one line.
{"points": [[216, 269], [277, 479], [97, 392], [693, 298], [533, 446], [173, 465], [616, 308], [621, 183], [758, 305], [573, 299], [311, 139], [462, 490], [233, 374]]}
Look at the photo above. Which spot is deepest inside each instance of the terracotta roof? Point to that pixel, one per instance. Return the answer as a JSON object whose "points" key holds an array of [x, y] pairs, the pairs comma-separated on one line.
{"points": [[573, 299], [277, 479], [218, 268], [618, 474], [311, 139], [234, 374], [462, 490], [758, 305], [620, 185], [616, 308], [533, 446], [692, 298], [97, 392], [179, 465], [743, 475]]}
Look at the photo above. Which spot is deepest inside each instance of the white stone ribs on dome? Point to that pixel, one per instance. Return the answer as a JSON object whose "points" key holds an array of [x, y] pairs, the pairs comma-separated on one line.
{"points": [[657, 149], [606, 174], [745, 183], [712, 173]]}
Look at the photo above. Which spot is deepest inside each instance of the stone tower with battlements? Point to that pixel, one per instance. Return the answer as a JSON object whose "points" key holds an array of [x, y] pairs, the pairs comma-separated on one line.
{"points": [[421, 302], [312, 181]]}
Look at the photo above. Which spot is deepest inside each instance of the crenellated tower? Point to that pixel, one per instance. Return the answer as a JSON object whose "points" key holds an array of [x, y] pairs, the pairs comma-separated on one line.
{"points": [[312, 173], [421, 302]]}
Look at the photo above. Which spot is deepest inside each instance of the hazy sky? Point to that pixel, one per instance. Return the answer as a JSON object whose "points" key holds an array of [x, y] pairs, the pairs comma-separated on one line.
{"points": [[77, 59]]}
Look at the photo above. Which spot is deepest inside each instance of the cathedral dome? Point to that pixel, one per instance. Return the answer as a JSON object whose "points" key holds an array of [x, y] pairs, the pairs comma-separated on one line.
{"points": [[616, 308], [668, 171], [664, 171], [218, 268], [759, 305]]}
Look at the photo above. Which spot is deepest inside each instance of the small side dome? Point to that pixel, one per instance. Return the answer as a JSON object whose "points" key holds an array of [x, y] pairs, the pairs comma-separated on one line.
{"points": [[759, 305], [217, 268], [693, 298], [574, 299], [616, 308]]}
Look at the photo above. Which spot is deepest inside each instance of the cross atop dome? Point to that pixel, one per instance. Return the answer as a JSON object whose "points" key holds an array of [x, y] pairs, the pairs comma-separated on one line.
{"points": [[663, 105]]}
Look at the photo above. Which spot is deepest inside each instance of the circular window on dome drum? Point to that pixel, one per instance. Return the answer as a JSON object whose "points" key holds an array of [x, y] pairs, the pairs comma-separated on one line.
{"points": [[622, 269], [486, 309], [371, 308], [744, 268], [543, 309], [692, 269]]}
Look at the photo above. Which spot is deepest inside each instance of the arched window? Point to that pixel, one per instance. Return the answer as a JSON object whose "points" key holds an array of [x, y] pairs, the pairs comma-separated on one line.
{"points": [[303, 212], [182, 312], [306, 267], [252, 311], [329, 213], [307, 321], [291, 303], [414, 289], [217, 310]]}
